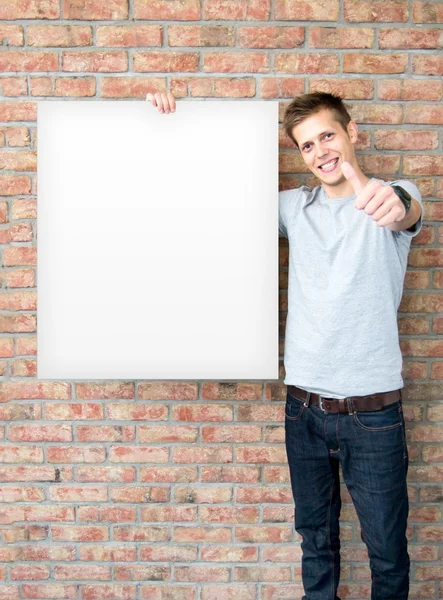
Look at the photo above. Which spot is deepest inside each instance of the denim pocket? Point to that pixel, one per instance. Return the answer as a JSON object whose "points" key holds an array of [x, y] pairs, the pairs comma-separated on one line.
{"points": [[389, 417], [294, 407]]}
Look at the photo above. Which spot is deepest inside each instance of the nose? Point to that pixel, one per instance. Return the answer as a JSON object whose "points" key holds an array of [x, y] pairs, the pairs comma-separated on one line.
{"points": [[321, 150]]}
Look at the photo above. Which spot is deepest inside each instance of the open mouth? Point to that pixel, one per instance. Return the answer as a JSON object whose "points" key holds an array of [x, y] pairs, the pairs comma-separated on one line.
{"points": [[329, 166]]}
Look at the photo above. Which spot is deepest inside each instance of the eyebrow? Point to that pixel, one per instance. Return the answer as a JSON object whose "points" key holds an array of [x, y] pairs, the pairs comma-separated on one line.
{"points": [[319, 135]]}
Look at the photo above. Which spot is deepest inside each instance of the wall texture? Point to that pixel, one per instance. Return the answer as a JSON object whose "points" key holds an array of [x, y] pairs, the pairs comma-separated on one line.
{"points": [[180, 490]]}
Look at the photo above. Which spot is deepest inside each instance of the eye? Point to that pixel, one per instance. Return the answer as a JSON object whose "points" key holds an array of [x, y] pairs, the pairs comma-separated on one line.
{"points": [[326, 134], [306, 147]]}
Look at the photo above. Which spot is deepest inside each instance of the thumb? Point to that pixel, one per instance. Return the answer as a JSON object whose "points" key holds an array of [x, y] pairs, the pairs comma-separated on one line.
{"points": [[350, 174]]}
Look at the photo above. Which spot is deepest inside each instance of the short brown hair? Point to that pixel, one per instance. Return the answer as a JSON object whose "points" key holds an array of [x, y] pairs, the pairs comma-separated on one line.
{"points": [[308, 104]]}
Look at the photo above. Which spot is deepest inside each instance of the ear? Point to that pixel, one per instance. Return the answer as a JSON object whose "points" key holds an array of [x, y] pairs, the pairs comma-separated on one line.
{"points": [[352, 131]]}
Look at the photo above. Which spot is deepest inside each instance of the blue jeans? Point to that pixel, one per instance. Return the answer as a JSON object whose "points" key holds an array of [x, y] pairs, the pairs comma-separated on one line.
{"points": [[371, 448]]}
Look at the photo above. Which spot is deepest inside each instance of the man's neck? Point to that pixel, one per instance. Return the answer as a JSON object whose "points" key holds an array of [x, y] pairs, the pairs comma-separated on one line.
{"points": [[343, 188]]}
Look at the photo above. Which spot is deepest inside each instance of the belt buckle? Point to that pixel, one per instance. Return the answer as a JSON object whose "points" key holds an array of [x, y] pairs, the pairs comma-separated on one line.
{"points": [[320, 401]]}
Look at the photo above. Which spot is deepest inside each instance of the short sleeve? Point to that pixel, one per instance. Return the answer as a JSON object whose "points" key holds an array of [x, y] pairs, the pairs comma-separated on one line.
{"points": [[413, 190], [282, 228]]}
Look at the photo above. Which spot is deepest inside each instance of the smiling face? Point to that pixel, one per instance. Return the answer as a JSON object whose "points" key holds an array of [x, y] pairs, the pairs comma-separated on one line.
{"points": [[324, 145]]}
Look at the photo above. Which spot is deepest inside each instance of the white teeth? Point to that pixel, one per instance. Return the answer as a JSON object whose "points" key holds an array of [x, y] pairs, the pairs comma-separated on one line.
{"points": [[327, 165]]}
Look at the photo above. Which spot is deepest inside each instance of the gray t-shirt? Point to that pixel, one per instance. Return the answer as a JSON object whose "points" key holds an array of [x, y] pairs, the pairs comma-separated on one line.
{"points": [[346, 278]]}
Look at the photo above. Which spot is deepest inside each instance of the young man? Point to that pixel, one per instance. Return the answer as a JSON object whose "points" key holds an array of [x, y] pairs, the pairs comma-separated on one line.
{"points": [[348, 244]]}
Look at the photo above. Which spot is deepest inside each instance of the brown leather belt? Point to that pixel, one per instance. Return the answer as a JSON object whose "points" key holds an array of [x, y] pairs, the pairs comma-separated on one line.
{"points": [[346, 405]]}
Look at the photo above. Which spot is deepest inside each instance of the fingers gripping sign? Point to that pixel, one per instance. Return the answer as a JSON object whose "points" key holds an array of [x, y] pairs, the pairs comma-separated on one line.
{"points": [[378, 201]]}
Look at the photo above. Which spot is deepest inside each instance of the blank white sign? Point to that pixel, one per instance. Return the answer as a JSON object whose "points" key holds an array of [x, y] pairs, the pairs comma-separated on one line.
{"points": [[157, 240]]}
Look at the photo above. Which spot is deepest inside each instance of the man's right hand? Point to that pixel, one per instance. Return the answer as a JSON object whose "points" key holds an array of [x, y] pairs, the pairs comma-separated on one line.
{"points": [[165, 102]]}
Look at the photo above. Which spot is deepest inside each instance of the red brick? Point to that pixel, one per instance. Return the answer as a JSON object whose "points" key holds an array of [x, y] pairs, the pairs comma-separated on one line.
{"points": [[168, 433], [11, 60], [138, 454], [428, 572], [95, 61], [95, 10], [10, 592], [269, 37], [10, 185], [59, 35], [353, 89], [305, 63], [113, 591], [40, 433], [427, 433], [432, 454], [417, 348], [398, 139], [429, 533], [421, 303], [237, 10], [424, 113], [437, 324], [413, 325], [376, 10], [20, 232], [108, 474], [104, 391], [140, 534], [75, 454], [108, 553], [20, 412], [111, 514], [24, 208], [131, 87], [105, 433], [231, 391], [167, 474], [14, 86], [78, 493], [11, 34], [437, 370], [18, 300], [427, 12], [166, 62], [355, 62], [435, 412], [18, 136], [281, 87], [29, 572], [26, 473], [417, 280], [82, 572], [434, 211], [201, 35], [235, 62], [17, 323], [376, 113], [167, 391], [32, 9], [21, 454], [410, 37], [427, 65], [20, 255], [18, 110], [77, 533], [6, 347], [403, 89], [26, 367], [421, 164], [341, 37], [69, 412], [178, 10], [127, 36], [137, 412], [26, 345], [18, 160], [414, 370], [304, 10]]}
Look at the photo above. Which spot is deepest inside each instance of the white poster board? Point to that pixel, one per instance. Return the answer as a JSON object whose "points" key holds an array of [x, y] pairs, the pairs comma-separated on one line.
{"points": [[157, 240]]}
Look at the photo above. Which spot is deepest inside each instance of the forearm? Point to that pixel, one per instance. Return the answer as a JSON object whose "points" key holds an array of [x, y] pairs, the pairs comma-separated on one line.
{"points": [[412, 216]]}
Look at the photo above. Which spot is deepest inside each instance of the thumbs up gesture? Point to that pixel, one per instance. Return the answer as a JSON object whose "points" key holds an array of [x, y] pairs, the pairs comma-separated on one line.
{"points": [[378, 201]]}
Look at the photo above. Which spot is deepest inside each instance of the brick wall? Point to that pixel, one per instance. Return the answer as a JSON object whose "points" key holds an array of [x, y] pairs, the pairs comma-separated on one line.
{"points": [[180, 490]]}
